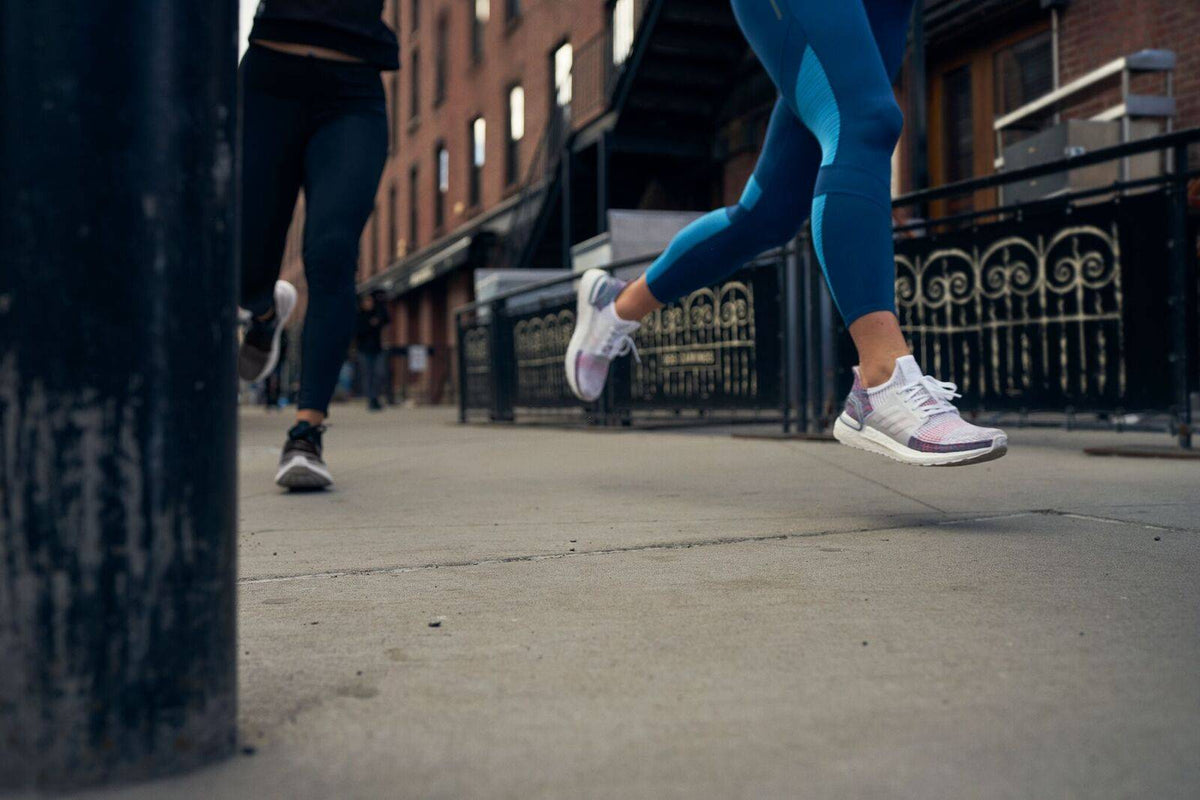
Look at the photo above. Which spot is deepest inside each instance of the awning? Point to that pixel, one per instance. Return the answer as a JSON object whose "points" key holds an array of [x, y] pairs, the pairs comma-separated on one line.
{"points": [[470, 241]]}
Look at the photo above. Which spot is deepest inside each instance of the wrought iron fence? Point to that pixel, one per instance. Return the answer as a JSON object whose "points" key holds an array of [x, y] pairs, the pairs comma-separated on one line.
{"points": [[1085, 301], [1042, 314], [1082, 302], [718, 348]]}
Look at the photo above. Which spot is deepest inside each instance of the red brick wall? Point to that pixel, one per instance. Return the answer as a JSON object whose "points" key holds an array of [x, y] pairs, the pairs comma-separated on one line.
{"points": [[511, 54], [1094, 32]]}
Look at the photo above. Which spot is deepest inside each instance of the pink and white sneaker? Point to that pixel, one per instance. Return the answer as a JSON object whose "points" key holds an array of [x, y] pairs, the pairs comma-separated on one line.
{"points": [[911, 419], [600, 335]]}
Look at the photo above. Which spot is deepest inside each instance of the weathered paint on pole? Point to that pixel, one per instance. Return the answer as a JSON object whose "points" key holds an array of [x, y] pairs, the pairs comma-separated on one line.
{"points": [[117, 390]]}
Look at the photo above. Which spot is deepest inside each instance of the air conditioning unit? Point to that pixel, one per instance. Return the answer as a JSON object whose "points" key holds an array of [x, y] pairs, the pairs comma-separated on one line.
{"points": [[1077, 137]]}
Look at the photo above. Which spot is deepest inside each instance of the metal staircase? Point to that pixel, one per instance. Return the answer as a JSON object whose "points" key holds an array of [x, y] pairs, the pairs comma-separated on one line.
{"points": [[663, 102]]}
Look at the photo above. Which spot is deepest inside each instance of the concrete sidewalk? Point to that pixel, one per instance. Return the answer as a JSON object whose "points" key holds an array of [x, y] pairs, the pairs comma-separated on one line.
{"points": [[536, 613]]}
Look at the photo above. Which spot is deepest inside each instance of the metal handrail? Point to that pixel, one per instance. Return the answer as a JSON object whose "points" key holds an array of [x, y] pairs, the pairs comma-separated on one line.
{"points": [[1165, 141], [1057, 200], [768, 257], [1143, 61]]}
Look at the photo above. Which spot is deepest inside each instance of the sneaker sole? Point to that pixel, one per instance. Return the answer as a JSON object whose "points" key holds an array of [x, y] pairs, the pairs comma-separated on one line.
{"points": [[302, 475], [284, 309], [875, 442], [583, 320]]}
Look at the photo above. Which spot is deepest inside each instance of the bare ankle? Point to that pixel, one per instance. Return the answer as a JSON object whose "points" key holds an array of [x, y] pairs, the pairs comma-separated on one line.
{"points": [[877, 372], [635, 301], [310, 416]]}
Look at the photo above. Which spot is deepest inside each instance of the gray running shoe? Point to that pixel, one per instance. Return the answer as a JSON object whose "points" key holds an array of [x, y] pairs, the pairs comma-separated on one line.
{"points": [[301, 467]]}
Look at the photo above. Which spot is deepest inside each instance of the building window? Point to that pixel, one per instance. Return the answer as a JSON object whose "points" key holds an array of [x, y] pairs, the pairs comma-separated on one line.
{"points": [[414, 219], [483, 10], [622, 31], [441, 64], [441, 184], [512, 11], [478, 155], [1022, 73], [516, 132], [414, 86], [562, 62], [393, 237], [415, 22]]}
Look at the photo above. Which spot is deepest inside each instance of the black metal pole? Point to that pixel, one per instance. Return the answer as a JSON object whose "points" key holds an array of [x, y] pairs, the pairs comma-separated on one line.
{"points": [[918, 106], [567, 210], [804, 331], [1183, 290], [785, 272], [117, 390], [602, 168], [461, 349]]}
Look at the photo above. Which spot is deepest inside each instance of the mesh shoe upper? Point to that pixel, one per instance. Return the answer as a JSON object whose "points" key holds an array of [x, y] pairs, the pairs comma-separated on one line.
{"points": [[602, 337], [915, 410]]}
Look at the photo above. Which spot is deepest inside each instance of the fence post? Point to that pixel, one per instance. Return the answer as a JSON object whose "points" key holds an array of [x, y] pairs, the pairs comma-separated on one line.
{"points": [[502, 357], [117, 390], [786, 271], [1183, 290], [567, 169], [800, 315], [461, 347]]}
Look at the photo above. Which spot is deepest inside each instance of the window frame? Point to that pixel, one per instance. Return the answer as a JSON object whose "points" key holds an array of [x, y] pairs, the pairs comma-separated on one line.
{"points": [[478, 29], [441, 188], [475, 165], [512, 145]]}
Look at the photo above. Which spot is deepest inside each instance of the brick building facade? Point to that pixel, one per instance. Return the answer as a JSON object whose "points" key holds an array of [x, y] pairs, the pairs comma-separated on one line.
{"points": [[461, 61], [462, 58]]}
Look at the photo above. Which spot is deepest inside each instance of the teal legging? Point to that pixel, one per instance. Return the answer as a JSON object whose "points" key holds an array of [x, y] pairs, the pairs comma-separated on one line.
{"points": [[828, 151]]}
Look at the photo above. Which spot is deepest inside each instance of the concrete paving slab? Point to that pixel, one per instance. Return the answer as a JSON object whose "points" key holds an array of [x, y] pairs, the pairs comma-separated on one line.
{"points": [[734, 619]]}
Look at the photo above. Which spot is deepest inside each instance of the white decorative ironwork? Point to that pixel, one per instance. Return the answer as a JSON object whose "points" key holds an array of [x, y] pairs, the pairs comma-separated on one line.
{"points": [[1021, 315], [699, 347]]}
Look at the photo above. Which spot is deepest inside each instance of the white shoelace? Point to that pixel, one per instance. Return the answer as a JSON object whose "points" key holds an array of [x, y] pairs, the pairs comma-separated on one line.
{"points": [[618, 344], [930, 388]]}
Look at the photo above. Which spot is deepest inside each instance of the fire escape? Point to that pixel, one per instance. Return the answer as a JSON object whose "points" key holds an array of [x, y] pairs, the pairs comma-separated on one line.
{"points": [[638, 133]]}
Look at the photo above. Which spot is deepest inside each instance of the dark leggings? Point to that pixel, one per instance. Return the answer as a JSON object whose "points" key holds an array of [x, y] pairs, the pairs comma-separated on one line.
{"points": [[828, 151], [322, 126]]}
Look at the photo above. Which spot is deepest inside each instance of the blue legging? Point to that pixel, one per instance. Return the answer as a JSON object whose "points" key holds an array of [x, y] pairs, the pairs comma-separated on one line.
{"points": [[828, 150]]}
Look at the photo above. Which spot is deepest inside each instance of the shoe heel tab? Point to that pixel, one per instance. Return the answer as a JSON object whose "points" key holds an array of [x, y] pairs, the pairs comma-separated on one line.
{"points": [[858, 386]]}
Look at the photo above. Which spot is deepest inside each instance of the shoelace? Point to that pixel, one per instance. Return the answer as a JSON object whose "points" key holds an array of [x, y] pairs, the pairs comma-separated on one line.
{"points": [[930, 388], [619, 344]]}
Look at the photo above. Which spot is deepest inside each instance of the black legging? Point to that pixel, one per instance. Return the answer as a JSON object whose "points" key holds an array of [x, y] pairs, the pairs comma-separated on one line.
{"points": [[322, 125]]}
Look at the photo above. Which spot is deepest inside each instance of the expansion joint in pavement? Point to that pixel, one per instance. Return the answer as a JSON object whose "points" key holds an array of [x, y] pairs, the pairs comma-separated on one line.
{"points": [[692, 543]]}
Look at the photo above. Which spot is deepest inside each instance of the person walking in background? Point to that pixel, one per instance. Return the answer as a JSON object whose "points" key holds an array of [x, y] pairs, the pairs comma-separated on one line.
{"points": [[313, 116], [372, 319], [828, 154]]}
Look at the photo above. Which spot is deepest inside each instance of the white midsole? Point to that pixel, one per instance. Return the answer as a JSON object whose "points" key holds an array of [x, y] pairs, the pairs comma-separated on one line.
{"points": [[873, 441], [299, 462], [583, 321], [284, 310]]}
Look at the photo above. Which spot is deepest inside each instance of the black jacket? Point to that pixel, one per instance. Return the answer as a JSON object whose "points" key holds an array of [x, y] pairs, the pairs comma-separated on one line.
{"points": [[353, 27], [369, 335]]}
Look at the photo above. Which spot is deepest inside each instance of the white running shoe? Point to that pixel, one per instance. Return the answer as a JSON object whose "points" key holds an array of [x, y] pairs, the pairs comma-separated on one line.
{"points": [[600, 335], [911, 419], [259, 351]]}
